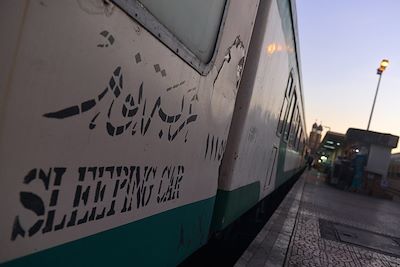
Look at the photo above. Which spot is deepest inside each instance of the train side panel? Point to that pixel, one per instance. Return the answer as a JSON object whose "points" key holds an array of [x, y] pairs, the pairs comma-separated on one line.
{"points": [[292, 148], [110, 142], [258, 157]]}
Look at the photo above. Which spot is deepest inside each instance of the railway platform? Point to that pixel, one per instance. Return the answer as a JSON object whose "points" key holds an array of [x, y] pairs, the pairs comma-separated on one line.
{"points": [[319, 225]]}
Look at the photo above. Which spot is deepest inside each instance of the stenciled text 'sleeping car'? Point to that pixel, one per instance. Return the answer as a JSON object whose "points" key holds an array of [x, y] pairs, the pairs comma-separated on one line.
{"points": [[133, 130]]}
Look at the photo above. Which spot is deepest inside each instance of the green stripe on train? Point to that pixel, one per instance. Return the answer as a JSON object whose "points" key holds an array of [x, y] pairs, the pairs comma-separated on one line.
{"points": [[163, 239], [281, 175], [230, 205]]}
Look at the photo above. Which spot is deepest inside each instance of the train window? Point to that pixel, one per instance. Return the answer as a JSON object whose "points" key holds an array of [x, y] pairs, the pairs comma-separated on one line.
{"points": [[298, 140], [284, 109], [296, 132], [282, 116], [188, 27], [299, 135], [290, 116], [289, 86], [298, 128], [294, 127], [300, 147]]}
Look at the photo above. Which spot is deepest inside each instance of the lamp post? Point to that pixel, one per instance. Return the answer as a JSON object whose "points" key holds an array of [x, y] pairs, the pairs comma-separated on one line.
{"points": [[380, 70]]}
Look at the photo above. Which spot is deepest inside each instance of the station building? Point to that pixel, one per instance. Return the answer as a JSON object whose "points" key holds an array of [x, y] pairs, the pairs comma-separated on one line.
{"points": [[340, 155]]}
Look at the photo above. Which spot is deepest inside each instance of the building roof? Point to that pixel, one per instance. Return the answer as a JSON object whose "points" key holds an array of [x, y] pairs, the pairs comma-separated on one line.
{"points": [[370, 137], [332, 140]]}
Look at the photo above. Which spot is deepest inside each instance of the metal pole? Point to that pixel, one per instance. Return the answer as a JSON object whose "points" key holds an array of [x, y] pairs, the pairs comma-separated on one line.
{"points": [[373, 105]]}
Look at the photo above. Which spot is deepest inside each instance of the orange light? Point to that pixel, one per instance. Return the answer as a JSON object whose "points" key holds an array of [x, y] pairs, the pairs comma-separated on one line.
{"points": [[271, 48], [384, 63]]}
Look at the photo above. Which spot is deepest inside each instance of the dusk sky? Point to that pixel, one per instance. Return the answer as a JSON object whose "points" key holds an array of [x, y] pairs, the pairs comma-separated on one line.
{"points": [[342, 43]]}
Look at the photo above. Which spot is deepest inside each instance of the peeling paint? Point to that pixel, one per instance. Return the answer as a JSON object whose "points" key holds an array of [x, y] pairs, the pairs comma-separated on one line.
{"points": [[97, 7], [226, 82], [235, 54]]}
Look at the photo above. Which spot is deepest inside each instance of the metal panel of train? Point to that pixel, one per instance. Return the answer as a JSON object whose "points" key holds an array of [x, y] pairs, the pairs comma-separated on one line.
{"points": [[133, 130]]}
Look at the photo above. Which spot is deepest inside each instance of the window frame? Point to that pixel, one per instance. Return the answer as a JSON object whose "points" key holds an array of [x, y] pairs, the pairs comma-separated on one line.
{"points": [[285, 105], [138, 12], [299, 138], [290, 85], [294, 127], [282, 116], [289, 117]]}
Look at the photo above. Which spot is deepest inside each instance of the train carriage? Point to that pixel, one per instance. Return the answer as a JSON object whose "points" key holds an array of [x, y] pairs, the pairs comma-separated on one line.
{"points": [[266, 142], [132, 131]]}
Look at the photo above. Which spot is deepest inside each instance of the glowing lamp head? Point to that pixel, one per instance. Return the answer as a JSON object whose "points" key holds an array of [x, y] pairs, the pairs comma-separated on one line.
{"points": [[383, 66], [384, 63]]}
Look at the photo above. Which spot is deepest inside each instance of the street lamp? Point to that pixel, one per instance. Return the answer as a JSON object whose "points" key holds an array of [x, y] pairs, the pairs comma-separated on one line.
{"points": [[379, 71]]}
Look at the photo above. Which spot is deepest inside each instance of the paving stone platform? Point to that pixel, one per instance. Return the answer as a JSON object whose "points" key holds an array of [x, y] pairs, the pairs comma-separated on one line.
{"points": [[364, 230]]}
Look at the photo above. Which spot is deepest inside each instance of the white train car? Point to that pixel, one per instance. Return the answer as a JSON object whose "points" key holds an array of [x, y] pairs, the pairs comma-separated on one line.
{"points": [[132, 130], [266, 143]]}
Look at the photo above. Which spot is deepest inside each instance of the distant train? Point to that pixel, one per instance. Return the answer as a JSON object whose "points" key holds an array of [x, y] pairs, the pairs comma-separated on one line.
{"points": [[133, 130]]}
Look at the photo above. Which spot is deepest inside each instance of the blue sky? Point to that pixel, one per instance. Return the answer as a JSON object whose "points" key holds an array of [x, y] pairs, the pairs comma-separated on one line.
{"points": [[341, 45]]}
